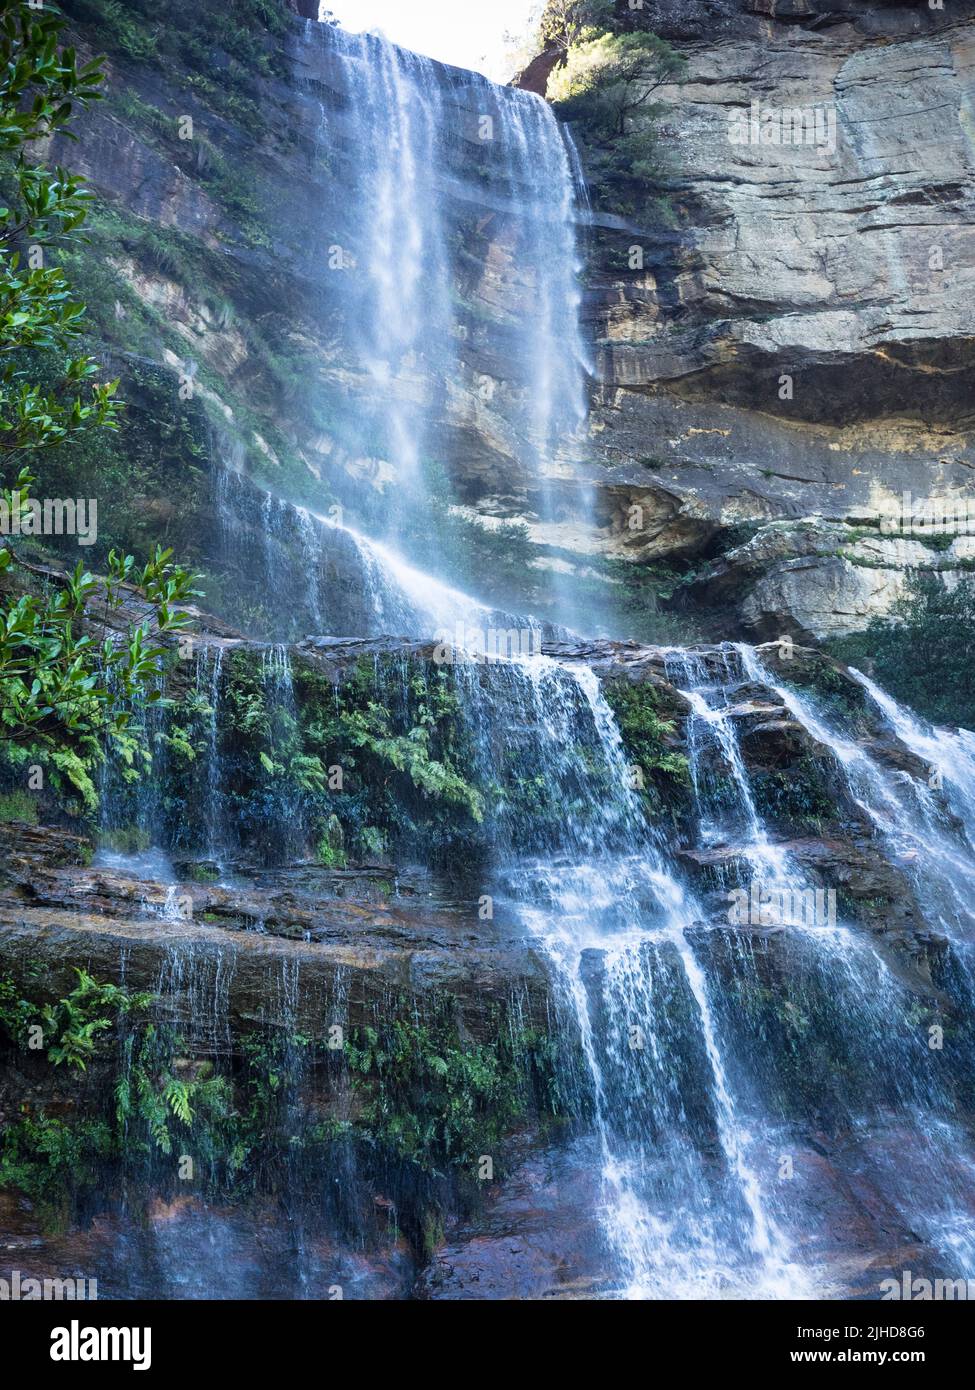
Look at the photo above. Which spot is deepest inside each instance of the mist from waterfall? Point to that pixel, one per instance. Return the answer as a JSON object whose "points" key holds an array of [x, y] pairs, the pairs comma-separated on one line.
{"points": [[431, 158]]}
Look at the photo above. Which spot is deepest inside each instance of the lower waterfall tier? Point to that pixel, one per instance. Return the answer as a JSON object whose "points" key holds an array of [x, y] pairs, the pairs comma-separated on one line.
{"points": [[614, 972]]}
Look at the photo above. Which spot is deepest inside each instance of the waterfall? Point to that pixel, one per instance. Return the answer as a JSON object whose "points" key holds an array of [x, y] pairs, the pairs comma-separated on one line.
{"points": [[287, 828], [900, 1083], [948, 752], [690, 1199], [685, 1210], [130, 814], [934, 847], [209, 686], [354, 585], [707, 1049], [435, 343], [402, 304]]}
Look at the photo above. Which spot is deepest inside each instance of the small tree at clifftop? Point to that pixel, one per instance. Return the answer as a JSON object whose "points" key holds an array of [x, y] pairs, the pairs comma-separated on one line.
{"points": [[606, 82], [608, 78], [564, 20]]}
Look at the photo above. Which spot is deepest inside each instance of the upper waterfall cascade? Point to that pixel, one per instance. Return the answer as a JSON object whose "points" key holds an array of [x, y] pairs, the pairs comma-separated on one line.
{"points": [[407, 132], [413, 365]]}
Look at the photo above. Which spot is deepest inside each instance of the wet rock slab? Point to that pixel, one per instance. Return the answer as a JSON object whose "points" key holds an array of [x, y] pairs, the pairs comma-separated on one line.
{"points": [[184, 1248], [285, 949], [539, 1237]]}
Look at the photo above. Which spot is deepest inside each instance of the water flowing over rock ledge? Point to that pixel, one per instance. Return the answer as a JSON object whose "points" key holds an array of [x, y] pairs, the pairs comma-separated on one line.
{"points": [[318, 924], [607, 970], [295, 950]]}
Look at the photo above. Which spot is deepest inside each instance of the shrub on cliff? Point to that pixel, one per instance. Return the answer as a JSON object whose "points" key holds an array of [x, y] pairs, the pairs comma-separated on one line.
{"points": [[562, 21], [608, 78], [606, 86], [923, 655]]}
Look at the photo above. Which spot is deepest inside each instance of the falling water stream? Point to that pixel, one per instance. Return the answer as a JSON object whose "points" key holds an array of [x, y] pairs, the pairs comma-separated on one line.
{"points": [[688, 1125], [899, 1080], [931, 839], [684, 1208]]}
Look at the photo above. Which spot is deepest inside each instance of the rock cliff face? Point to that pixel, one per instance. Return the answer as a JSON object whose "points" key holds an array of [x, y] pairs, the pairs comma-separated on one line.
{"points": [[800, 343]]}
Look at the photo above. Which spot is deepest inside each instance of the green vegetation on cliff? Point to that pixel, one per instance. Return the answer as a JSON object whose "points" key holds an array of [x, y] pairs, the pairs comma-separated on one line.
{"points": [[408, 1094], [63, 692], [924, 653], [604, 83], [660, 772], [180, 39], [373, 761], [436, 1100], [389, 744]]}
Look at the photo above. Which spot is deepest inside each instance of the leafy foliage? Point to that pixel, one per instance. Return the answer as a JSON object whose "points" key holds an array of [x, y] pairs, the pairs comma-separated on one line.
{"points": [[436, 1101], [169, 35], [40, 87], [18, 806], [71, 1027], [395, 734], [428, 1103], [608, 78], [46, 1156], [606, 84], [410, 753], [153, 1105], [563, 21], [646, 736], [62, 692], [923, 655], [52, 1158]]}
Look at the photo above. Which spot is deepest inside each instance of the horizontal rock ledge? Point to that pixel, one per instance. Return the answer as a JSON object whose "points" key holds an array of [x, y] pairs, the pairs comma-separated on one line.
{"points": [[214, 983]]}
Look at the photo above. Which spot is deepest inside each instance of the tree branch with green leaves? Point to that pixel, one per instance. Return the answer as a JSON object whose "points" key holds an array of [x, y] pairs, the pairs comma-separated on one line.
{"points": [[68, 678], [607, 85]]}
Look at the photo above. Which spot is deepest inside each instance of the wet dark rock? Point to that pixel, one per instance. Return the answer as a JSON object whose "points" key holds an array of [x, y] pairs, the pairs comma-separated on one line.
{"points": [[855, 866], [185, 1248], [537, 1239], [28, 849], [346, 930]]}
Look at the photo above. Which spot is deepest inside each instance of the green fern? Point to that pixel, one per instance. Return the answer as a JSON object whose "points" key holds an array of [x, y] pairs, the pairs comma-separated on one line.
{"points": [[177, 1094]]}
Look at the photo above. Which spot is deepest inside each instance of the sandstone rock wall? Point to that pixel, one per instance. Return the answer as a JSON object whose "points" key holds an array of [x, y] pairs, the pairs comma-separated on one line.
{"points": [[800, 342]]}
